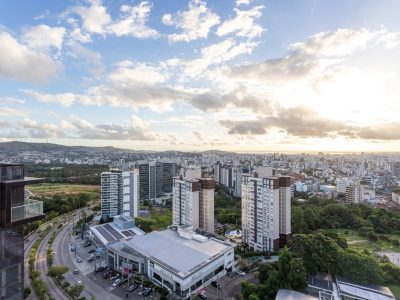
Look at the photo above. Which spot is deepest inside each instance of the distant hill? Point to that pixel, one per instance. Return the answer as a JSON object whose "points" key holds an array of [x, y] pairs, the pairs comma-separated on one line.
{"points": [[43, 147]]}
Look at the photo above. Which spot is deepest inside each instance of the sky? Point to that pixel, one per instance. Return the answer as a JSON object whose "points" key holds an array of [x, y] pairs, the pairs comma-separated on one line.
{"points": [[244, 75]]}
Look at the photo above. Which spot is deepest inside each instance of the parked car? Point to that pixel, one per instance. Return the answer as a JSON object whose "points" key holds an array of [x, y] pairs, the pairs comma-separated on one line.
{"points": [[216, 284], [79, 260], [202, 296], [146, 292], [92, 251], [107, 274], [133, 287], [76, 271], [100, 269], [79, 282], [240, 272], [116, 282], [87, 245], [114, 277], [90, 259]]}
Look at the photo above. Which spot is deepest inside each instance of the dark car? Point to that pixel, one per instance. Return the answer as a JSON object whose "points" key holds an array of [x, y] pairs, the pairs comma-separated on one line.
{"points": [[87, 245], [202, 296], [91, 251], [146, 292], [216, 284], [107, 274], [100, 269]]}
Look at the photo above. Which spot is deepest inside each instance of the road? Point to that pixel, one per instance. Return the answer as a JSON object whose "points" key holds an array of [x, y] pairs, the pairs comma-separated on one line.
{"points": [[64, 257], [41, 266], [27, 249]]}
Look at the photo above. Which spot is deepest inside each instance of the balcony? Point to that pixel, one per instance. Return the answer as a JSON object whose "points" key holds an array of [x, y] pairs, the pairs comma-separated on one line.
{"points": [[31, 209]]}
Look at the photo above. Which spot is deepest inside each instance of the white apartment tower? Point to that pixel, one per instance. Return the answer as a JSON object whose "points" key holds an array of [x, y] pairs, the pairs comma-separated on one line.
{"points": [[119, 193], [193, 202], [266, 211]]}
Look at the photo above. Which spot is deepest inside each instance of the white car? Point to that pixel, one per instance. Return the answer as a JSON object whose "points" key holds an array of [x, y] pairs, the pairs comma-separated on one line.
{"points": [[116, 282], [239, 272], [79, 282]]}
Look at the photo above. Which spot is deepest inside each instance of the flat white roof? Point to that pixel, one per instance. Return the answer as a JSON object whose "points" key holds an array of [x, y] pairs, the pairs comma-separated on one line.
{"points": [[363, 292], [179, 255]]}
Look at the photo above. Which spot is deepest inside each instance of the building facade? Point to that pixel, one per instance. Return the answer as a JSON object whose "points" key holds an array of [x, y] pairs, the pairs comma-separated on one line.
{"points": [[119, 193], [193, 202], [266, 211], [15, 211]]}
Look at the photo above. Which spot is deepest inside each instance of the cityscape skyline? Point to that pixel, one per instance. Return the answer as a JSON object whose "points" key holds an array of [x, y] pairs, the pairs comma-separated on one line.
{"points": [[248, 76]]}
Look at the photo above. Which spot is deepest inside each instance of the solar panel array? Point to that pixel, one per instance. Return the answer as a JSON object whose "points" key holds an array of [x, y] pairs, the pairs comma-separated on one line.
{"points": [[132, 232], [126, 233], [109, 238], [115, 233]]}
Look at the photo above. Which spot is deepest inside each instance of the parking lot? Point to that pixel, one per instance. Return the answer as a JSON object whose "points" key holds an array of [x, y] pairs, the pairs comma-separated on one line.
{"points": [[230, 286], [87, 269]]}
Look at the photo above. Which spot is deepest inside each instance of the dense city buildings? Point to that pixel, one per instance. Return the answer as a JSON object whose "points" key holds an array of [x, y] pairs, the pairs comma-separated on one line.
{"points": [[15, 211], [119, 193], [193, 201]]}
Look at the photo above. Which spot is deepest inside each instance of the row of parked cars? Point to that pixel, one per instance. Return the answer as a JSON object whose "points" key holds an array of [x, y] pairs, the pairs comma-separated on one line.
{"points": [[117, 281]]}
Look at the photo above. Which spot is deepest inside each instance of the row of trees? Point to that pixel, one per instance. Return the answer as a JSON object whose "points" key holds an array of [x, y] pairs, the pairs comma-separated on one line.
{"points": [[321, 253], [67, 173], [317, 214]]}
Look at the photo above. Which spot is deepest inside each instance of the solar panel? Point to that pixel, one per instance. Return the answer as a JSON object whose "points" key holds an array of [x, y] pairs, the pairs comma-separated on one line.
{"points": [[109, 238], [123, 219], [131, 232], [115, 233], [126, 233]]}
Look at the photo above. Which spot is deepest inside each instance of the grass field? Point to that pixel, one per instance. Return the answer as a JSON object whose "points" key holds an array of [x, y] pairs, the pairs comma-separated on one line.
{"points": [[357, 242], [51, 189]]}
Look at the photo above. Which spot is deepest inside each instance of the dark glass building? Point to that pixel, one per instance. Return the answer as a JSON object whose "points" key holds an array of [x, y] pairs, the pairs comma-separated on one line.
{"points": [[15, 211]]}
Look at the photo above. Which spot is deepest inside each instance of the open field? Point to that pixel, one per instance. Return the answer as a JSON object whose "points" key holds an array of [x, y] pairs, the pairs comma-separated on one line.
{"points": [[357, 242], [51, 189]]}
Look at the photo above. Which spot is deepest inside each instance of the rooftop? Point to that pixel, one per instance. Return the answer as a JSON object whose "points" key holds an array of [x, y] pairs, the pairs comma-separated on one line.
{"points": [[284, 294], [180, 255], [375, 292]]}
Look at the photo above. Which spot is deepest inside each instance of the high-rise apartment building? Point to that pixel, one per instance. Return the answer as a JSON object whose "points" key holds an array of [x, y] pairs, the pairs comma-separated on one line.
{"points": [[354, 193], [266, 211], [15, 211], [119, 193], [155, 178], [193, 202]]}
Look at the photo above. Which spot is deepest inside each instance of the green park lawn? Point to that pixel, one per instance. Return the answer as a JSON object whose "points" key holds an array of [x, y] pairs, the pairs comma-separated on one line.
{"points": [[51, 189], [357, 242]]}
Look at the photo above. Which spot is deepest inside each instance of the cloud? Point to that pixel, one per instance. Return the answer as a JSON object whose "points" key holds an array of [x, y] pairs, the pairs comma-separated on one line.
{"points": [[34, 129], [195, 23], [244, 2], [200, 135], [318, 53], [243, 23], [43, 37], [96, 20], [133, 22], [11, 100], [216, 54], [136, 129], [19, 62], [76, 127], [8, 111], [95, 17]]}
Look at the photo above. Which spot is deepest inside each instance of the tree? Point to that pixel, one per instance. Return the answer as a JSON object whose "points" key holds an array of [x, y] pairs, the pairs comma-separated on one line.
{"points": [[359, 267], [27, 292], [248, 289], [75, 291], [391, 273], [325, 251], [57, 272], [291, 272]]}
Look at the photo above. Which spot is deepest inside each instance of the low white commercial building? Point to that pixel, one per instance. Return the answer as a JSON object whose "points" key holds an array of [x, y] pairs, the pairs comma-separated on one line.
{"points": [[176, 258]]}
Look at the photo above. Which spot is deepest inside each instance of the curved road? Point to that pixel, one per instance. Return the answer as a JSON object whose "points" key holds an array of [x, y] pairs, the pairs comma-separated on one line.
{"points": [[27, 249], [41, 266], [63, 257]]}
